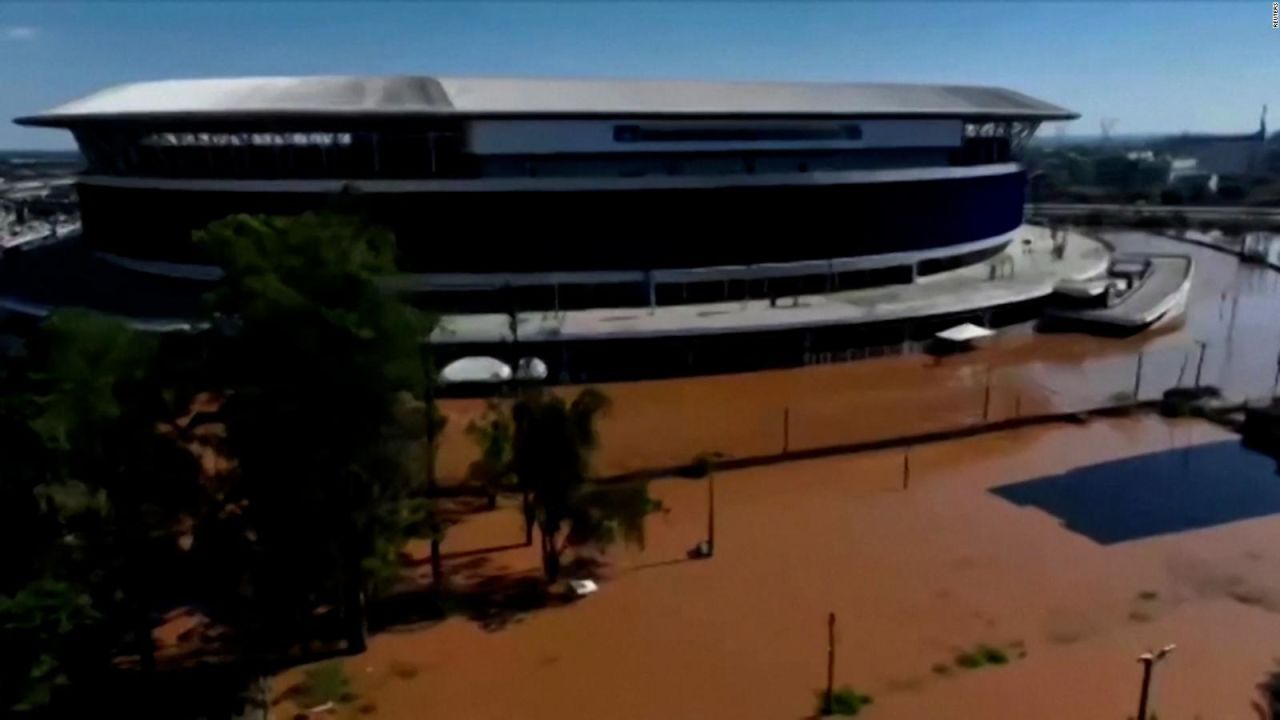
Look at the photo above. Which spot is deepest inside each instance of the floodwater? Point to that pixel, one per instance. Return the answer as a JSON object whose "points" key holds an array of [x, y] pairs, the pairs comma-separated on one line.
{"points": [[1234, 310], [1072, 548]]}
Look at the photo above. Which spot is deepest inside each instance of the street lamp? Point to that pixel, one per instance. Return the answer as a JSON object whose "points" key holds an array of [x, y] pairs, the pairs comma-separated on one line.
{"points": [[1149, 660]]}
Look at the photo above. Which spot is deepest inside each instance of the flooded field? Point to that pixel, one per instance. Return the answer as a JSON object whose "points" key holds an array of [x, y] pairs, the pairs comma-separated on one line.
{"points": [[1234, 311], [1063, 550], [1070, 549]]}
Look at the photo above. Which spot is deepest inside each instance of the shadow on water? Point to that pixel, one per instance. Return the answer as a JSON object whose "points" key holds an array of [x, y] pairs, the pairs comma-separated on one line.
{"points": [[492, 601], [1156, 494], [1268, 700]]}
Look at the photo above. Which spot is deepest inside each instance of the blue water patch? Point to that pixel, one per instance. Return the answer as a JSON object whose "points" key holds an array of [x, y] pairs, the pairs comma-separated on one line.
{"points": [[1156, 494]]}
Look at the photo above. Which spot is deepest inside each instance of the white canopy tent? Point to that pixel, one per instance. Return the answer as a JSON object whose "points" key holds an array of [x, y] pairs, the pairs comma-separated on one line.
{"points": [[965, 333], [475, 370], [531, 368]]}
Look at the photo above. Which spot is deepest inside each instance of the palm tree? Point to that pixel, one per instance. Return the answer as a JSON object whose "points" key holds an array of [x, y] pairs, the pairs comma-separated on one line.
{"points": [[418, 424], [552, 445], [493, 434]]}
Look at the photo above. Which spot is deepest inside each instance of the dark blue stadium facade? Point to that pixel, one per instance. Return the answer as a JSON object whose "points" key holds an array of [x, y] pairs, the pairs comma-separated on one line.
{"points": [[564, 196]]}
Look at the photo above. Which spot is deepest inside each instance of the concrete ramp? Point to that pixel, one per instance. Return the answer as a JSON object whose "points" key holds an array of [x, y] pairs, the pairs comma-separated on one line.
{"points": [[1159, 290]]}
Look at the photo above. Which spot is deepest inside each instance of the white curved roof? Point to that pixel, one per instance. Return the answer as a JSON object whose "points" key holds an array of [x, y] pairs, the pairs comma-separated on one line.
{"points": [[408, 95]]}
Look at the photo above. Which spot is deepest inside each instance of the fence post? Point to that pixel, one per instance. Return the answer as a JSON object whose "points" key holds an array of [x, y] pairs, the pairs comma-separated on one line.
{"points": [[1200, 362], [831, 664], [1276, 383], [1137, 378], [986, 398]]}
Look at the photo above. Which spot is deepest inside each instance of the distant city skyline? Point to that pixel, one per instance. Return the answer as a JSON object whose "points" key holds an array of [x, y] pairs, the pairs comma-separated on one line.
{"points": [[1155, 67]]}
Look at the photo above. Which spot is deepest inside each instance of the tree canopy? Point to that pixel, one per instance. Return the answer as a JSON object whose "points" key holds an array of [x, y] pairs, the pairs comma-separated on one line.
{"points": [[308, 393], [553, 443]]}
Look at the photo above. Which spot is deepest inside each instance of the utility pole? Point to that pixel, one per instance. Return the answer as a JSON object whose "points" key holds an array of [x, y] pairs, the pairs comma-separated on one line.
{"points": [[711, 513], [1149, 660], [1276, 384], [829, 698], [1137, 378], [986, 397], [1200, 362]]}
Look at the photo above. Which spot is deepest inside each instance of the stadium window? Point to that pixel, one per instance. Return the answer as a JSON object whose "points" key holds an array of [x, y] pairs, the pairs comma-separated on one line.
{"points": [[643, 134]]}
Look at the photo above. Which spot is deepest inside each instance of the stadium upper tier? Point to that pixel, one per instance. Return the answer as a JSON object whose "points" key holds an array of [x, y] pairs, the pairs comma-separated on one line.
{"points": [[581, 193], [476, 128], [271, 97]]}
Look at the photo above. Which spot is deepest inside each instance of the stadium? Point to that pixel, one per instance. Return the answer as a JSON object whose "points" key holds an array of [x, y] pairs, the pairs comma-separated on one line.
{"points": [[650, 227]]}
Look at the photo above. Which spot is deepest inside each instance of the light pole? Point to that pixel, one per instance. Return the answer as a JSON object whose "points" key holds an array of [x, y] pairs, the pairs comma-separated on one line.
{"points": [[1200, 362], [828, 697], [1149, 660], [707, 548]]}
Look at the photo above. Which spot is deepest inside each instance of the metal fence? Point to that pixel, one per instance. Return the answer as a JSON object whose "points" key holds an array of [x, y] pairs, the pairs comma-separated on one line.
{"points": [[884, 399], [880, 401]]}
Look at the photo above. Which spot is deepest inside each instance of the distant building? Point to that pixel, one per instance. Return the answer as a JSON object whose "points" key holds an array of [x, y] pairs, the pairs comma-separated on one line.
{"points": [[1138, 172], [1194, 184], [1224, 155]]}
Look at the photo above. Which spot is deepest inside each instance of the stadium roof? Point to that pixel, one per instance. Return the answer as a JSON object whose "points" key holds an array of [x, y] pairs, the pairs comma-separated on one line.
{"points": [[267, 97]]}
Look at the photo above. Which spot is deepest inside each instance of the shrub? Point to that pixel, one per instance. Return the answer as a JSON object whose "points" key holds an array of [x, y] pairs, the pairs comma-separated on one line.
{"points": [[993, 655], [1122, 397], [844, 701], [326, 682], [984, 655]]}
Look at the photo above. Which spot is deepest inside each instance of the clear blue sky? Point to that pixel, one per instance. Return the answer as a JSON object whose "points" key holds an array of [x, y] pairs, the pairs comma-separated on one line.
{"points": [[1156, 66]]}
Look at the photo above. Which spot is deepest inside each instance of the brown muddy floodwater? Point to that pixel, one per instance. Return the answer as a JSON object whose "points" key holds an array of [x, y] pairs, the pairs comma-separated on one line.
{"points": [[995, 542], [1234, 310], [1072, 548]]}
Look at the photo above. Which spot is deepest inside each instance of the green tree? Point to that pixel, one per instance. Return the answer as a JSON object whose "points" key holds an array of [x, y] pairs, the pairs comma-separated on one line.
{"points": [[315, 380], [92, 492], [552, 445], [314, 360], [493, 435]]}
